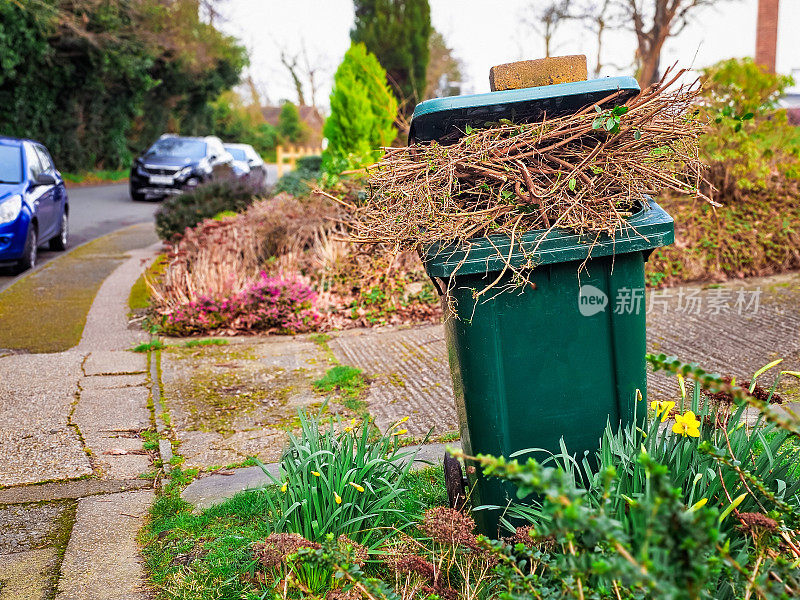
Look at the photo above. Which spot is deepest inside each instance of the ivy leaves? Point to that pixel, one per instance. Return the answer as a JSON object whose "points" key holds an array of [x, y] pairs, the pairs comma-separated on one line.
{"points": [[610, 119], [727, 112]]}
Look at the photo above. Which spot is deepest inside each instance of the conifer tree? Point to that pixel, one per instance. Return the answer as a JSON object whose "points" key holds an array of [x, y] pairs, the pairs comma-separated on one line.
{"points": [[397, 33], [363, 110]]}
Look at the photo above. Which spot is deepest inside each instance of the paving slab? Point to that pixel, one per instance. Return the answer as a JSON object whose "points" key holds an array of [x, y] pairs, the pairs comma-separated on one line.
{"points": [[81, 488], [30, 526], [37, 442], [115, 362], [118, 458], [218, 487], [112, 410], [410, 373], [107, 326], [102, 560], [26, 575], [227, 403], [107, 382], [758, 321]]}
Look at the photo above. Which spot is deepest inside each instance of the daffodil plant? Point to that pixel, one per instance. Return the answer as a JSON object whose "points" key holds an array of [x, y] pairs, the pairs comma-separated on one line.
{"points": [[340, 478]]}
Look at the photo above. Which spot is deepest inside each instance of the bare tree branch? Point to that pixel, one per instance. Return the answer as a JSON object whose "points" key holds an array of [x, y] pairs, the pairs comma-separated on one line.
{"points": [[290, 62]]}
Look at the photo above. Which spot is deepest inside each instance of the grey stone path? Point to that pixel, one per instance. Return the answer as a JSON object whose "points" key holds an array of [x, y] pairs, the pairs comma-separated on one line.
{"points": [[228, 403], [410, 375], [77, 414]]}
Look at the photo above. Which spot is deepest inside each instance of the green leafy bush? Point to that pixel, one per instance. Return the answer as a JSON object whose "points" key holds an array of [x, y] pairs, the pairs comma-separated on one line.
{"points": [[187, 210], [290, 126], [96, 82], [363, 110], [750, 143], [234, 122], [298, 182], [341, 480]]}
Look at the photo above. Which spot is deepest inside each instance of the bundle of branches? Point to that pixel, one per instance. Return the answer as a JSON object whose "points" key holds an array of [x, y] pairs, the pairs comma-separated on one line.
{"points": [[584, 172]]}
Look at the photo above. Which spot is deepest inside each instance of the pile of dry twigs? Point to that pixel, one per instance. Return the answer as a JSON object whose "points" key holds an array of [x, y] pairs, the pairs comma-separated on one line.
{"points": [[584, 172]]}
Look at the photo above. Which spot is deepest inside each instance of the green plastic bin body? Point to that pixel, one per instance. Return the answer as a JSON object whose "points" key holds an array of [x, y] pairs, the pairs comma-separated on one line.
{"points": [[558, 358]]}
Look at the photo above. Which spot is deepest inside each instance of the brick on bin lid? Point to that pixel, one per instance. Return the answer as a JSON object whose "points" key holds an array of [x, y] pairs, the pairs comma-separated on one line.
{"points": [[535, 73]]}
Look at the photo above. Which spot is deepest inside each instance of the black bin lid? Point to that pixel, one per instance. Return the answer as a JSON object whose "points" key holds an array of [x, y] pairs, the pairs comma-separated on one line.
{"points": [[444, 119]]}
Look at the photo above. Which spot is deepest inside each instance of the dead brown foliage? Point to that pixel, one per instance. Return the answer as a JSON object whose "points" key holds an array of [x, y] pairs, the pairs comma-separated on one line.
{"points": [[565, 172]]}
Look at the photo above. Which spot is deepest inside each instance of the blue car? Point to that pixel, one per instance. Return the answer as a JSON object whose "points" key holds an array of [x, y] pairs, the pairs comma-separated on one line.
{"points": [[34, 208]]}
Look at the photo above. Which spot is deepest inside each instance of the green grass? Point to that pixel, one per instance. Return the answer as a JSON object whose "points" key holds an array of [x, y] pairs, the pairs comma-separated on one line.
{"points": [[349, 382], [97, 176], [205, 342], [139, 297], [149, 439], [149, 346], [207, 556]]}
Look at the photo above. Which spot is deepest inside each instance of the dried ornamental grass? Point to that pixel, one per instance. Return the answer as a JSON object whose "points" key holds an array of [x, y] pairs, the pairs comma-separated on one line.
{"points": [[584, 172]]}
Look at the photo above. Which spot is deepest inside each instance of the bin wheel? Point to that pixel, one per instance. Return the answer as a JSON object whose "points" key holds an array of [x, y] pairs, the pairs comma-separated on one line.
{"points": [[455, 482]]}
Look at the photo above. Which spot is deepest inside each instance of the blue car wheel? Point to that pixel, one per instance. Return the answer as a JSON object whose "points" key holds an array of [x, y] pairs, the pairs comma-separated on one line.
{"points": [[28, 260], [61, 240]]}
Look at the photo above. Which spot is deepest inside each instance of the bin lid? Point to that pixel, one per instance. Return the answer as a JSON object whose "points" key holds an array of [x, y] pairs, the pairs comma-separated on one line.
{"points": [[444, 119], [649, 228]]}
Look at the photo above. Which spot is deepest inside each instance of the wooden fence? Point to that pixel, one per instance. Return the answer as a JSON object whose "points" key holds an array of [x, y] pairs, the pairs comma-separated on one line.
{"points": [[291, 153]]}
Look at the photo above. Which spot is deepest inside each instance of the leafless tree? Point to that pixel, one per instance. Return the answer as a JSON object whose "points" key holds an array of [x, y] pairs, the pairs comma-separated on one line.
{"points": [[291, 64], [314, 69], [306, 70], [443, 77], [653, 22], [545, 18]]}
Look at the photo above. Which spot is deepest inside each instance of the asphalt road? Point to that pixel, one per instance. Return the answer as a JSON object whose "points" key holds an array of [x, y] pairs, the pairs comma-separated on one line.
{"points": [[94, 211], [98, 210]]}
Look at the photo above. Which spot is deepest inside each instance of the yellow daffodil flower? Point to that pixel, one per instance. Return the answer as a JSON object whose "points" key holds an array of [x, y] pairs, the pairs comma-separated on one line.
{"points": [[284, 486], [315, 473], [358, 487], [400, 422], [687, 424], [662, 409], [337, 497], [401, 432]]}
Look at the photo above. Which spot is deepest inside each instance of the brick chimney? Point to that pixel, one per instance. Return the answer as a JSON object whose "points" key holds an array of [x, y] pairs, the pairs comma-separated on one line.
{"points": [[767, 34]]}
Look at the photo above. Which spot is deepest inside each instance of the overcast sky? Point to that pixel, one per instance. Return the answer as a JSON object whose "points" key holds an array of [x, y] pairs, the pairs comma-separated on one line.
{"points": [[483, 33]]}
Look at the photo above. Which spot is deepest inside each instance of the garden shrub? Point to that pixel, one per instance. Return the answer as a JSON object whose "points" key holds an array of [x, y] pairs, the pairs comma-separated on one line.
{"points": [[643, 526], [298, 182], [750, 144], [363, 110], [754, 165], [176, 213], [266, 304]]}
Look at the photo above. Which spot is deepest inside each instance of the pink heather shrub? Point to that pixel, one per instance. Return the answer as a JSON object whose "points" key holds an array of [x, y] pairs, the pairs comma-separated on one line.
{"points": [[266, 304]]}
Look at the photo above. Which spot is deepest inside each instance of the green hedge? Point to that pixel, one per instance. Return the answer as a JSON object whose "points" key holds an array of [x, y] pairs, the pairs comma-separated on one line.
{"points": [[307, 170], [187, 210]]}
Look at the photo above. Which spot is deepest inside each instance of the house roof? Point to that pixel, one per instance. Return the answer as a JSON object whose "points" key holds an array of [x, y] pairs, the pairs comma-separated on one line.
{"points": [[308, 114]]}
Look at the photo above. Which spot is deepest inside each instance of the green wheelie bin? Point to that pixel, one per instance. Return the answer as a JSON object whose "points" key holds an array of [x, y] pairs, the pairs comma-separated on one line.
{"points": [[562, 355]]}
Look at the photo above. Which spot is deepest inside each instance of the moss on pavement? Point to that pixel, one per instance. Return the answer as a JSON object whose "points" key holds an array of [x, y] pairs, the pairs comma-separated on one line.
{"points": [[46, 310]]}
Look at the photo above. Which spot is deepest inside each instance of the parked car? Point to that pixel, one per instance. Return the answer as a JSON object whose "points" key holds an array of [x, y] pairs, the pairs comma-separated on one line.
{"points": [[34, 207], [175, 164], [249, 164]]}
